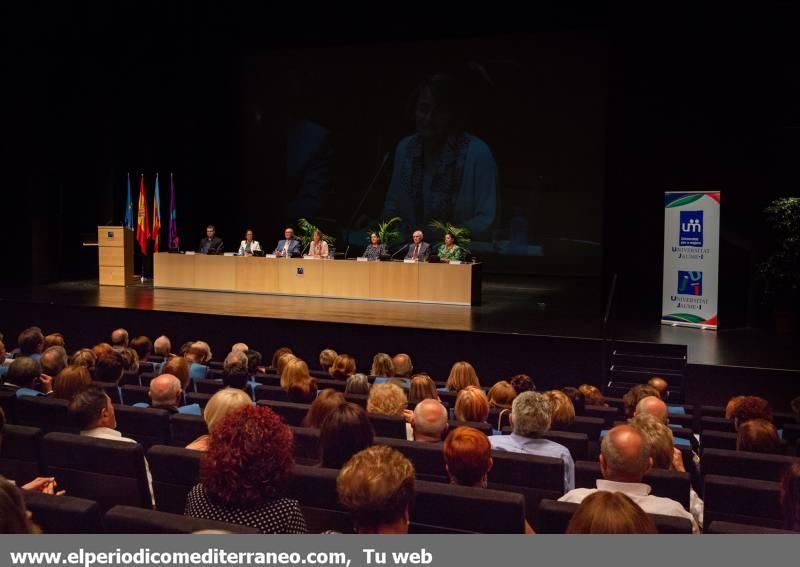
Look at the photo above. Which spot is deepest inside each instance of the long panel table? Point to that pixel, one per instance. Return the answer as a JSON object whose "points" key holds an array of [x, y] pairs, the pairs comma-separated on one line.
{"points": [[457, 284]]}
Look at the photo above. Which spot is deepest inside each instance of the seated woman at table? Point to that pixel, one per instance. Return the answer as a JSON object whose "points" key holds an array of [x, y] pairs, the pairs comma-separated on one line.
{"points": [[248, 245], [375, 249], [450, 250], [317, 248]]}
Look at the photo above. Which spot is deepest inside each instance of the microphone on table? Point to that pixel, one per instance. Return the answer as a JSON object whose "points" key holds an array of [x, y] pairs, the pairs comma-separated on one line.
{"points": [[400, 250], [303, 253], [346, 250]]}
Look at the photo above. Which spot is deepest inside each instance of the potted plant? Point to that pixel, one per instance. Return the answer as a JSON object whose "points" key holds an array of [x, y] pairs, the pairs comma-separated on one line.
{"points": [[461, 233], [386, 233], [307, 230], [780, 272]]}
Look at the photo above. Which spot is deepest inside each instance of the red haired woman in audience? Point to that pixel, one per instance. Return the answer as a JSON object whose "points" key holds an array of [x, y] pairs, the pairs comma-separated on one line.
{"points": [[563, 410], [592, 395], [751, 407], [244, 471], [472, 405], [790, 497], [501, 395], [610, 513], [758, 436], [343, 367], [70, 381], [731, 406], [462, 374], [326, 401], [278, 354]]}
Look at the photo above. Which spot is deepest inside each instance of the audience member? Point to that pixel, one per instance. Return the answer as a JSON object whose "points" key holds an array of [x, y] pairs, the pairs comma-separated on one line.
{"points": [[84, 357], [201, 352], [422, 387], [240, 347], [326, 358], [382, 366], [502, 395], [530, 419], [389, 399], [462, 374], [178, 366], [659, 384], [403, 368], [522, 383], [163, 347], [130, 360], [279, 353], [468, 457], [165, 393], [343, 367], [283, 361], [633, 396], [377, 487], [592, 395], [53, 339], [235, 362], [25, 377], [71, 381], [243, 472], [563, 415], [53, 360], [654, 406], [302, 391], [30, 342], [578, 400], [624, 460], [94, 414], [185, 348], [327, 400], [119, 338], [101, 348], [790, 497], [143, 347], [751, 407], [472, 405], [610, 513], [357, 384], [109, 367], [253, 362], [14, 515], [430, 421], [295, 372], [758, 436], [224, 402], [345, 431]]}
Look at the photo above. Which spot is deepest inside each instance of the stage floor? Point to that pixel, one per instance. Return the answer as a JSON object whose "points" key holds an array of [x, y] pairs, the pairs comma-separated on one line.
{"points": [[555, 307]]}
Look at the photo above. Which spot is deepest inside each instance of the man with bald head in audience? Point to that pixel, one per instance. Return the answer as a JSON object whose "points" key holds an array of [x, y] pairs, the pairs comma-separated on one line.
{"points": [[165, 393], [163, 347], [402, 366], [430, 421], [119, 339], [624, 460], [654, 406], [659, 384]]}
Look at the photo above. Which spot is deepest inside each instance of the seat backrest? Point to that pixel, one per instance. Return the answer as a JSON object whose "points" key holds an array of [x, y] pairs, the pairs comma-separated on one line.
{"points": [[145, 378], [47, 413], [520, 469], [499, 418], [292, 414], [197, 398], [108, 472], [449, 398], [791, 432], [388, 425], [667, 484], [687, 421], [360, 399], [147, 426], [209, 386], [135, 395], [590, 426], [719, 527], [130, 520], [718, 440], [741, 500], [554, 517], [111, 389], [716, 424], [428, 458], [607, 413], [306, 445], [745, 464], [577, 443], [63, 514], [7, 399], [268, 379], [130, 377], [183, 429], [275, 393], [486, 428], [20, 453], [325, 383], [175, 471]]}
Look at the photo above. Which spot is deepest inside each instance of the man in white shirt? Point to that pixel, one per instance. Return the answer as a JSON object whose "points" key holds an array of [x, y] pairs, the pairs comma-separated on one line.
{"points": [[624, 460]]}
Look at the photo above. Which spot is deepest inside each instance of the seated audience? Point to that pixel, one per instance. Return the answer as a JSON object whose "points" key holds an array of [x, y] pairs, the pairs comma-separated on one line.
{"points": [[84, 357], [659, 384], [468, 457], [530, 419], [357, 384], [430, 421], [130, 360], [327, 400], [165, 393], [30, 342], [326, 358], [636, 394], [502, 395], [179, 367], [382, 366], [70, 381], [101, 348], [731, 406], [143, 347], [345, 431], [14, 515], [389, 399], [302, 391], [790, 497], [295, 371], [119, 338], [654, 406], [563, 415], [422, 387], [163, 347], [94, 414], [751, 407], [198, 356], [610, 513], [578, 400], [522, 383], [53, 360], [624, 460], [185, 348], [283, 362], [472, 405], [758, 436], [53, 339], [109, 367], [377, 487], [25, 377], [254, 362], [243, 472], [592, 395], [221, 404], [462, 374], [343, 367], [277, 354], [235, 363], [402, 366], [240, 347]]}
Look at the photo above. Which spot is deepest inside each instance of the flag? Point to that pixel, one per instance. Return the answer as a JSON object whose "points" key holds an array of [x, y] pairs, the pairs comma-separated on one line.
{"points": [[129, 207], [156, 217], [173, 241], [142, 228]]}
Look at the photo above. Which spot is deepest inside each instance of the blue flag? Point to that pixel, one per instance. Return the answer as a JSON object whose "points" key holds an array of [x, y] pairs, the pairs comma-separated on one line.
{"points": [[129, 207]]}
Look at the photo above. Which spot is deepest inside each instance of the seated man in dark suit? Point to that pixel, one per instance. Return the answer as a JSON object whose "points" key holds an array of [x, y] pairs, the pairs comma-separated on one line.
{"points": [[211, 244], [418, 249], [288, 246], [25, 377]]}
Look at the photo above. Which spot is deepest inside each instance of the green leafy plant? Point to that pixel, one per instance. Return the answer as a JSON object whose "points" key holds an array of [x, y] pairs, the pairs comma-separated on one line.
{"points": [[780, 272], [307, 230], [461, 233], [386, 233]]}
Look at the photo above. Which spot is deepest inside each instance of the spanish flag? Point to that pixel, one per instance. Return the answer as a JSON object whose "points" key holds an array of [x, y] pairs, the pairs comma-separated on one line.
{"points": [[156, 217], [143, 223]]}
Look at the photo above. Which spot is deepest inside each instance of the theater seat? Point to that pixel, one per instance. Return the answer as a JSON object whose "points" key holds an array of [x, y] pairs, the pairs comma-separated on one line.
{"points": [[709, 423], [590, 426], [306, 445], [745, 464], [63, 514], [576, 443], [519, 469], [292, 414], [130, 520], [183, 429], [7, 399], [20, 453], [360, 399], [148, 426], [667, 484], [606, 413], [274, 393], [111, 389], [482, 426], [131, 378], [719, 527], [393, 426], [554, 518], [135, 395], [46, 413], [209, 386], [175, 471], [741, 500], [325, 383], [427, 458], [197, 398], [268, 379], [108, 472], [718, 440]]}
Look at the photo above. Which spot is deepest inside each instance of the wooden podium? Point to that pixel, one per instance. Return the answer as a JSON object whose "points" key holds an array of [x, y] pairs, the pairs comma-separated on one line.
{"points": [[115, 255]]}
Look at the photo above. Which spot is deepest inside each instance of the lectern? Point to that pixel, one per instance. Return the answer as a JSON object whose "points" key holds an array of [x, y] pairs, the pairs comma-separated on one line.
{"points": [[115, 257]]}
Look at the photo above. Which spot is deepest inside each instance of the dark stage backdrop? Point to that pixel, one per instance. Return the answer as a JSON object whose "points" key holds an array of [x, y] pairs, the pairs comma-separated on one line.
{"points": [[523, 166]]}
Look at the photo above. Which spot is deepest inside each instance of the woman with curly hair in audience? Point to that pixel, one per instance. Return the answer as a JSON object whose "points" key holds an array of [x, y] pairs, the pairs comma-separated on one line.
{"points": [[346, 431], [326, 401], [522, 383], [242, 476], [389, 399], [462, 374]]}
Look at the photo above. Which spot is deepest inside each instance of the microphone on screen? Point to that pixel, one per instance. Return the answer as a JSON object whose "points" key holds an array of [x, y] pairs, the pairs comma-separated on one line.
{"points": [[400, 250]]}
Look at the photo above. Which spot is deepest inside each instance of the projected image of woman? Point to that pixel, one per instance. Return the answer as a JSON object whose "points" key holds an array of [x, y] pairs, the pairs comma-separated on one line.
{"points": [[442, 172]]}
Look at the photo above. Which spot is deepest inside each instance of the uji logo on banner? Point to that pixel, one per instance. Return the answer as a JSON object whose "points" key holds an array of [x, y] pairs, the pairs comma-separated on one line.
{"points": [[690, 283], [691, 228]]}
